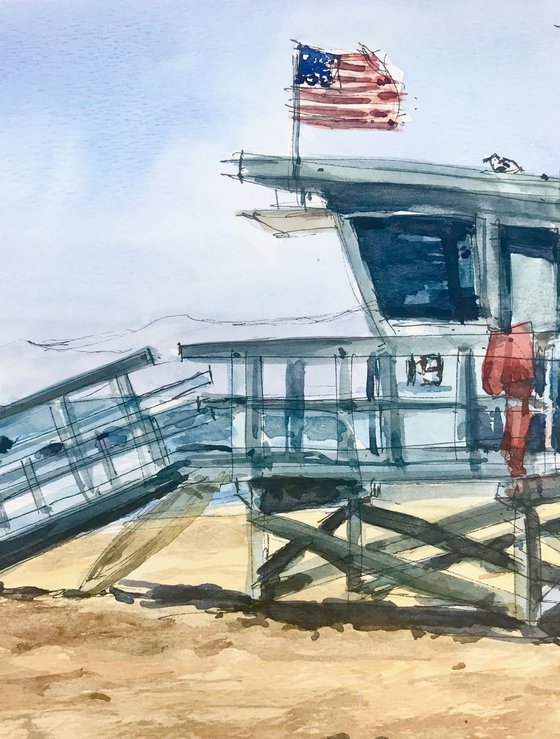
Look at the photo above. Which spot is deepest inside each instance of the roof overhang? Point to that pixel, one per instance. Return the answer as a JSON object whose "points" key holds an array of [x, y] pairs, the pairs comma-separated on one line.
{"points": [[360, 185]]}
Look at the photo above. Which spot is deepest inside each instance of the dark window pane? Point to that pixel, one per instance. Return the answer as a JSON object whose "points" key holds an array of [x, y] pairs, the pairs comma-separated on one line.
{"points": [[530, 242], [421, 267]]}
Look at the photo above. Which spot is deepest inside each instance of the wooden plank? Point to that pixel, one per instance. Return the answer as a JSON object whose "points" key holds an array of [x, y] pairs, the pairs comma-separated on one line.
{"points": [[415, 576], [148, 534]]}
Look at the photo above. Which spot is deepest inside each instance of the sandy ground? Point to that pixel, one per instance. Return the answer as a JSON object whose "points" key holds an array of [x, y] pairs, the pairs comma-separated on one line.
{"points": [[103, 668]]}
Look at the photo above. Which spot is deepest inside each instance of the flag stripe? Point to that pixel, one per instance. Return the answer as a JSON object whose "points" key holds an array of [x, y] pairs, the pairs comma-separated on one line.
{"points": [[337, 97], [349, 112], [350, 123]]}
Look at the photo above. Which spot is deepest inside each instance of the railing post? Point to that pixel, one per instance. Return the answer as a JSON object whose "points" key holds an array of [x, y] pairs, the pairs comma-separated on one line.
{"points": [[294, 412], [4, 520], [35, 486], [150, 449], [393, 430], [67, 427], [238, 394], [467, 394], [346, 439], [372, 393], [254, 415]]}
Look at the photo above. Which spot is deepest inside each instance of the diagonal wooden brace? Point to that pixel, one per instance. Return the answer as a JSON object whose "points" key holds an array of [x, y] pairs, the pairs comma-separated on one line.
{"points": [[271, 570], [415, 576], [435, 535]]}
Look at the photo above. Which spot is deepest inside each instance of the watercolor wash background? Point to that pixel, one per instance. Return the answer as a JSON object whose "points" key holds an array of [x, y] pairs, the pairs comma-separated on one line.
{"points": [[113, 121]]}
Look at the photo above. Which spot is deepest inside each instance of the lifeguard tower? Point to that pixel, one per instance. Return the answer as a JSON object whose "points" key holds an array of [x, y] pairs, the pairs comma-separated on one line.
{"points": [[457, 384]]}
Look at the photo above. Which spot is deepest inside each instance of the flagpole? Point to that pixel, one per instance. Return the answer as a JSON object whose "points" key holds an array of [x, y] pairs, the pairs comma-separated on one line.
{"points": [[296, 121]]}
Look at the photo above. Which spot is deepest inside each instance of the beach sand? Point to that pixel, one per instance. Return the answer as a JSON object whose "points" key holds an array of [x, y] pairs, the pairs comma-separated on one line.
{"points": [[98, 667]]}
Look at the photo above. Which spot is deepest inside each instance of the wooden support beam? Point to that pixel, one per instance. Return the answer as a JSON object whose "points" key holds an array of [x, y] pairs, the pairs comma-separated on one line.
{"points": [[237, 402], [434, 534], [147, 534], [550, 574], [382, 584], [415, 576], [255, 548], [316, 570], [472, 519]]}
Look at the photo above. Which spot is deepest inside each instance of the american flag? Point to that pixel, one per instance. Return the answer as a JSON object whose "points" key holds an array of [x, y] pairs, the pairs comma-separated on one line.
{"points": [[346, 90]]}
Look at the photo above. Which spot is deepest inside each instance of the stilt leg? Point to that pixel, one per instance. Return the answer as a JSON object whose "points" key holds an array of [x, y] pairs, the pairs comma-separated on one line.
{"points": [[354, 535], [528, 581]]}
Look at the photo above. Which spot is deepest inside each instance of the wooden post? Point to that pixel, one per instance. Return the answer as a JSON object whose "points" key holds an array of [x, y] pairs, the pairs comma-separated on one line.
{"points": [[254, 434], [528, 580], [255, 541], [494, 273], [467, 394], [354, 536]]}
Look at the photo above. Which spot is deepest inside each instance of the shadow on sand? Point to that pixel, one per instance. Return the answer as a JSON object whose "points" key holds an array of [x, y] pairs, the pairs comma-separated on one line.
{"points": [[464, 623], [332, 612]]}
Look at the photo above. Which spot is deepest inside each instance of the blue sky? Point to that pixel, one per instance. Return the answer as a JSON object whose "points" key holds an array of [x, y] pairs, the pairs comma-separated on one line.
{"points": [[114, 117]]}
